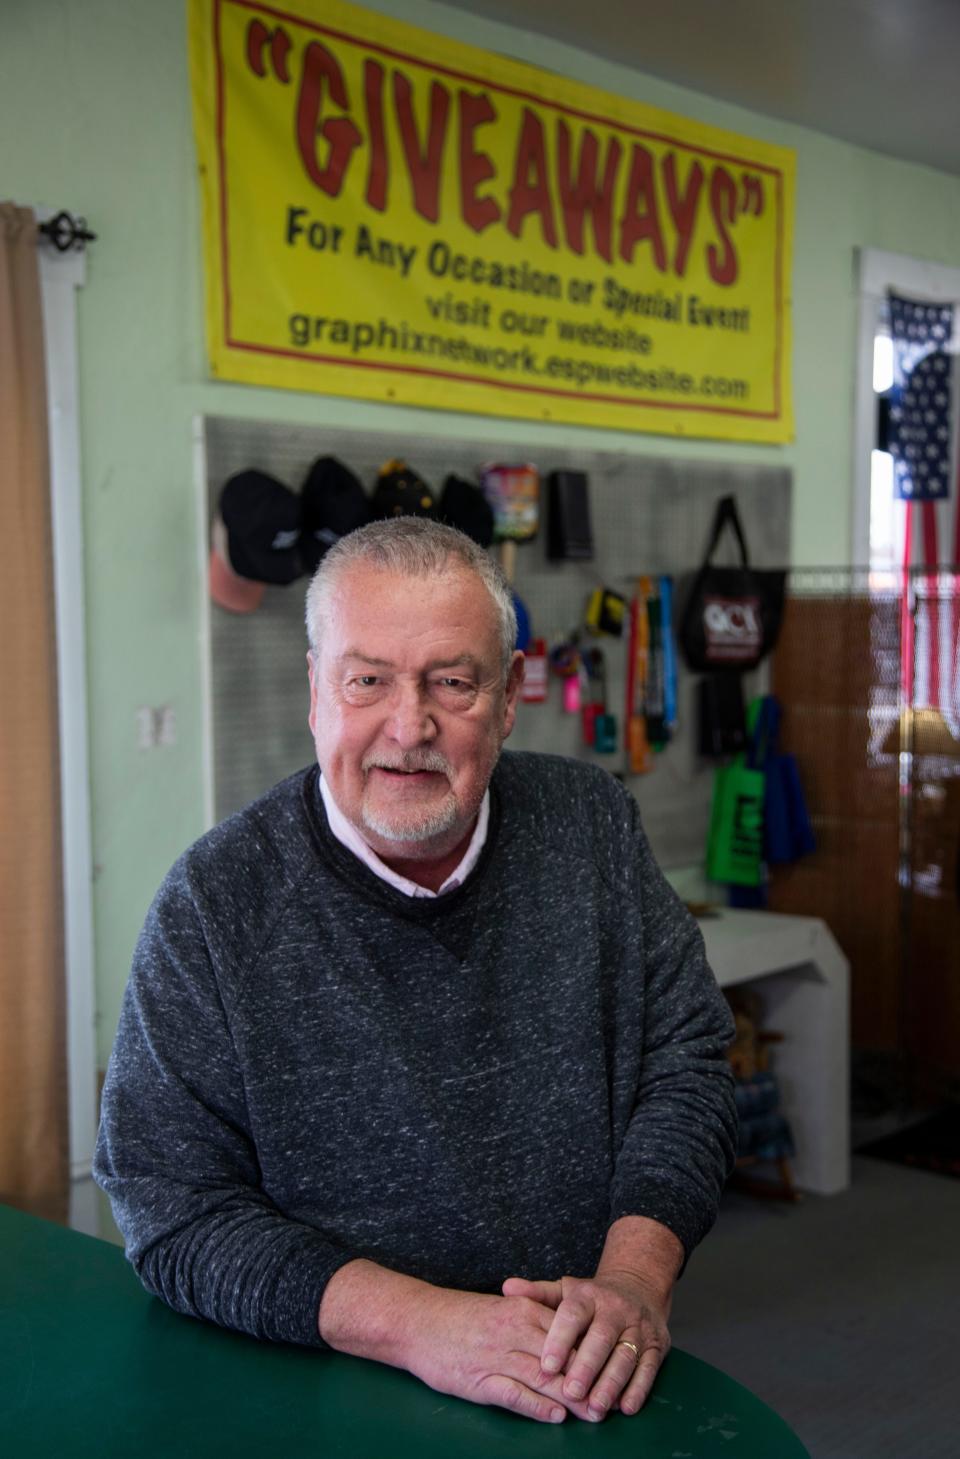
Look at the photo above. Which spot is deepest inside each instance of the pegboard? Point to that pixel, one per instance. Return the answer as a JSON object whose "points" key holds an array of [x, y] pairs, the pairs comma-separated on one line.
{"points": [[650, 516]]}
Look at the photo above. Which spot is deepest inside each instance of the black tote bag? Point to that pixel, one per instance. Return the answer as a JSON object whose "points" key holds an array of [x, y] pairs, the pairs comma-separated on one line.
{"points": [[732, 615]]}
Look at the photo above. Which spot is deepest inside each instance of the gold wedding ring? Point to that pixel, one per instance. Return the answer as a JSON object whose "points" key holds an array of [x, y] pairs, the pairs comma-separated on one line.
{"points": [[626, 1343]]}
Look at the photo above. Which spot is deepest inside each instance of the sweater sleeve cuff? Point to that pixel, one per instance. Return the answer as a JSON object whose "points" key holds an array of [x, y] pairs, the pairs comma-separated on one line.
{"points": [[298, 1291], [663, 1202]]}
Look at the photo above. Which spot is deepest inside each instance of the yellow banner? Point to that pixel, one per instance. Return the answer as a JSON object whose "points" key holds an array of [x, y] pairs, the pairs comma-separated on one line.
{"points": [[392, 215]]}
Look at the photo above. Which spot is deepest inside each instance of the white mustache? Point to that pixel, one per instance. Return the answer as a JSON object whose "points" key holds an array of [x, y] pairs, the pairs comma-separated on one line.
{"points": [[430, 760]]}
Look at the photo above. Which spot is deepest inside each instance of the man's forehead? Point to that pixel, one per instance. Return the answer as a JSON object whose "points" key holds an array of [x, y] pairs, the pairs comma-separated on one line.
{"points": [[374, 613]]}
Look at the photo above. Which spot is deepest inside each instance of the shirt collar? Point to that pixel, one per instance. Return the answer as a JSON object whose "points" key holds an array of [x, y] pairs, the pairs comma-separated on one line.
{"points": [[348, 835]]}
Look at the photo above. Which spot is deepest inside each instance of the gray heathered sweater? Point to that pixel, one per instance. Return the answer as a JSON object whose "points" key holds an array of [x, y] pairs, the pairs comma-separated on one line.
{"points": [[312, 1067]]}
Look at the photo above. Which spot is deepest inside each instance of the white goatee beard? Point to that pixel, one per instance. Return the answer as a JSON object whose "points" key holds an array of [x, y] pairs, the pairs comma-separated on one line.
{"points": [[413, 826]]}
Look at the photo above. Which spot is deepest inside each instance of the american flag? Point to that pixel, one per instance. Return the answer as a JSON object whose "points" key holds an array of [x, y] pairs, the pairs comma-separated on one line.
{"points": [[921, 399], [922, 442]]}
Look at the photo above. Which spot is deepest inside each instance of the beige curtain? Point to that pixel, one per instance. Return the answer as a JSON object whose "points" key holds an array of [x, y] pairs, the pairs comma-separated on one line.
{"points": [[34, 1171]]}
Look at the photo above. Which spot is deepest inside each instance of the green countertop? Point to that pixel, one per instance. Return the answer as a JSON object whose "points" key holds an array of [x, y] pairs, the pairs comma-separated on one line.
{"points": [[92, 1366]]}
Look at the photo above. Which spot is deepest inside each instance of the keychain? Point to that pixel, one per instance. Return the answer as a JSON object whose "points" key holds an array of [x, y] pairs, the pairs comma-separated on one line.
{"points": [[600, 726], [565, 662], [593, 663], [534, 688]]}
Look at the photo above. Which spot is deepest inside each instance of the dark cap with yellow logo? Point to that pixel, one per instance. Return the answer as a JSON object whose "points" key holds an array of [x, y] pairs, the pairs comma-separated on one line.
{"points": [[401, 492]]}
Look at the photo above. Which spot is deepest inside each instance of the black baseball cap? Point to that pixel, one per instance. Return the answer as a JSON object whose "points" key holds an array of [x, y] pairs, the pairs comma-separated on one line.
{"points": [[464, 505], [262, 518], [332, 503]]}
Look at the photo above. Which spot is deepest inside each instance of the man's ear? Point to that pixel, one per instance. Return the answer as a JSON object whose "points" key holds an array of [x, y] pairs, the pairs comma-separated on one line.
{"points": [[512, 692]]}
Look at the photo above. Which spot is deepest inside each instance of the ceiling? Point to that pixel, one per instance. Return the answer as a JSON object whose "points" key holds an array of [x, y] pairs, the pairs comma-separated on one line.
{"points": [[882, 73]]}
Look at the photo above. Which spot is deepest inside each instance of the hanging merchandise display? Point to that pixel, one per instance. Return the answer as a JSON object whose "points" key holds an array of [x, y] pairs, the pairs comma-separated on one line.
{"points": [[605, 734], [787, 832], [593, 663], [569, 533], [534, 688], [638, 667], [665, 589], [332, 504], [262, 518], [401, 492], [606, 612], [732, 615], [651, 672], [759, 814], [227, 588], [654, 709], [463, 505], [255, 539], [735, 837], [566, 663], [514, 495], [721, 719], [264, 533], [599, 725]]}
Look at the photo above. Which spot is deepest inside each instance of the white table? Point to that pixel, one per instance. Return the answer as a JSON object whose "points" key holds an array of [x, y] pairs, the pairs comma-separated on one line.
{"points": [[804, 981]]}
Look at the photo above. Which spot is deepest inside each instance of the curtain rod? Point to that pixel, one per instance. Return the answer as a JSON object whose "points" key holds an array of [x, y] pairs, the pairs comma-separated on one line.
{"points": [[65, 231]]}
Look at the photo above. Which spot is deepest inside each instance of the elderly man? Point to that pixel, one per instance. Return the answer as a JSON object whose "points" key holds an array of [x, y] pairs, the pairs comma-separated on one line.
{"points": [[420, 1058]]}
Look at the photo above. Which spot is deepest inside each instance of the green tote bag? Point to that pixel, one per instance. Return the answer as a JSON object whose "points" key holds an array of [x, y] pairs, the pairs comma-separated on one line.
{"points": [[735, 839]]}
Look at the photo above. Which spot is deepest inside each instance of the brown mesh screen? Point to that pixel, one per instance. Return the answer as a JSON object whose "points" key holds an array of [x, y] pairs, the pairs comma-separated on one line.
{"points": [[883, 790], [835, 672]]}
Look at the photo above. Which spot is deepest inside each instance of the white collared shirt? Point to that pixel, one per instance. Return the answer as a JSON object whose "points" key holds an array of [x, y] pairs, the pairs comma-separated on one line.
{"points": [[349, 836]]}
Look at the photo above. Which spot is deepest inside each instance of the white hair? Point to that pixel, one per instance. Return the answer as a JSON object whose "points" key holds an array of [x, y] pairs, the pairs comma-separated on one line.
{"points": [[414, 547]]}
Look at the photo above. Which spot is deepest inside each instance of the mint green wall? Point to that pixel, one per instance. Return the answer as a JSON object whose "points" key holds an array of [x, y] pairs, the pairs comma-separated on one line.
{"points": [[94, 115]]}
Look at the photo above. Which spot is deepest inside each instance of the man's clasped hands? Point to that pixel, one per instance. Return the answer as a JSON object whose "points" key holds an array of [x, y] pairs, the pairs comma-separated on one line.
{"points": [[543, 1349]]}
